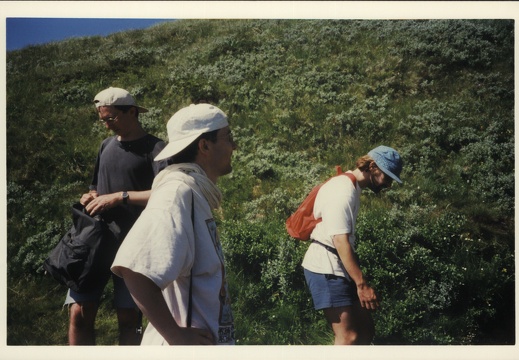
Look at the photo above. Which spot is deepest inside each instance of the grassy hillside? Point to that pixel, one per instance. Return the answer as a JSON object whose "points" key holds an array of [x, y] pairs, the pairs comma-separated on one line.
{"points": [[302, 97]]}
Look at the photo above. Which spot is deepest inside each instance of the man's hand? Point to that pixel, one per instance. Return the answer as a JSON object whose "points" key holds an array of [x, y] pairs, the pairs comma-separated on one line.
{"points": [[193, 336], [88, 197], [97, 204], [368, 297], [149, 298]]}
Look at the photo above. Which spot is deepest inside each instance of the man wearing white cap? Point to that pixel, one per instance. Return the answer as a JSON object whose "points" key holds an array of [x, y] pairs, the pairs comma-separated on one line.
{"points": [[172, 260], [123, 175], [331, 266]]}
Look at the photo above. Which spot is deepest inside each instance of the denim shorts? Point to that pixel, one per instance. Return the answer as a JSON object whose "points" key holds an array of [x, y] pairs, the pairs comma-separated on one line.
{"points": [[330, 290], [122, 297]]}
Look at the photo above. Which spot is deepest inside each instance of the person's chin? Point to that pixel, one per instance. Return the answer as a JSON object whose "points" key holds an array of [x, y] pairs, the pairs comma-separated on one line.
{"points": [[376, 190], [227, 171]]}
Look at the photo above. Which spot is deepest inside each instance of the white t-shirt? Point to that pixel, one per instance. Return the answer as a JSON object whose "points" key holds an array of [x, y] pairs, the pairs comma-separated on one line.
{"points": [[337, 203], [161, 246]]}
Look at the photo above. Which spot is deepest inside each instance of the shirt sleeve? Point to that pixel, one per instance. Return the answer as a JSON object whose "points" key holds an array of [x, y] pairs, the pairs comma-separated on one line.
{"points": [[93, 184], [158, 165], [160, 245]]}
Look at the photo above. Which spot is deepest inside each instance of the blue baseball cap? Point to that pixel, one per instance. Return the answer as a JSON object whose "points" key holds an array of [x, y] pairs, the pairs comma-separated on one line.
{"points": [[388, 160]]}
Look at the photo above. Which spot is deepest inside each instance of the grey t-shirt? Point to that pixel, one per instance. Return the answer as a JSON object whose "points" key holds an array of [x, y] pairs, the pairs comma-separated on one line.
{"points": [[126, 166]]}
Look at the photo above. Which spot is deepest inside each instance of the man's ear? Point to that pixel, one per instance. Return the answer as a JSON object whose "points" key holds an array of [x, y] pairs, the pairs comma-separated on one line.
{"points": [[202, 146]]}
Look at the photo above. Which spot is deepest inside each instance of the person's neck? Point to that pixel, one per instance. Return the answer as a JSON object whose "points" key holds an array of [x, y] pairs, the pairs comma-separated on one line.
{"points": [[362, 177], [213, 177], [133, 134]]}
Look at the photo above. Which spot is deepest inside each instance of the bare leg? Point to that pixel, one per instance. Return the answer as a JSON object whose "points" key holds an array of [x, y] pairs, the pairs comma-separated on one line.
{"points": [[352, 325], [129, 321], [81, 326]]}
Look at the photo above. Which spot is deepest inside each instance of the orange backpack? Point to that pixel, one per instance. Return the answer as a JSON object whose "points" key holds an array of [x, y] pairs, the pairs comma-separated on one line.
{"points": [[302, 222]]}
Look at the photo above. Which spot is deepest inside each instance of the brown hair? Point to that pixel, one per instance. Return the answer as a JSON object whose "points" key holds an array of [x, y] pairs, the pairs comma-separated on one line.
{"points": [[364, 162]]}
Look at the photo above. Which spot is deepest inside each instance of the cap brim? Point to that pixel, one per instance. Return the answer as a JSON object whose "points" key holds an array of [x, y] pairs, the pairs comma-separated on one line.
{"points": [[393, 176], [175, 147], [140, 108]]}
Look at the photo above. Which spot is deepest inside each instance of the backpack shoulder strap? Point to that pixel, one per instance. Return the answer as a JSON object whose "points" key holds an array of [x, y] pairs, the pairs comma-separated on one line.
{"points": [[190, 303], [350, 175], [352, 178]]}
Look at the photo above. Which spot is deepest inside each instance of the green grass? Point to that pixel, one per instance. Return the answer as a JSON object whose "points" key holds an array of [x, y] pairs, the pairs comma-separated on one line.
{"points": [[36, 315], [302, 96]]}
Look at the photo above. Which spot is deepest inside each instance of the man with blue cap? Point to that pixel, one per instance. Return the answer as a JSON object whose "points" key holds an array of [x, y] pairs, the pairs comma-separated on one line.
{"points": [[388, 161], [331, 266]]}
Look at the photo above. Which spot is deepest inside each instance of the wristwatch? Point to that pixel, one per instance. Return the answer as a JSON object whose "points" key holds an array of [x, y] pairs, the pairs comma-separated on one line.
{"points": [[125, 197]]}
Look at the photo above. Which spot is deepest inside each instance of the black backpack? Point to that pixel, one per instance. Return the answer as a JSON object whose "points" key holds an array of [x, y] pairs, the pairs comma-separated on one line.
{"points": [[82, 258]]}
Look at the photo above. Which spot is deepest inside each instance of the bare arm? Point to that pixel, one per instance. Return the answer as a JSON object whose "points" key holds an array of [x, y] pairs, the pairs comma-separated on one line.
{"points": [[150, 300], [96, 204], [367, 296]]}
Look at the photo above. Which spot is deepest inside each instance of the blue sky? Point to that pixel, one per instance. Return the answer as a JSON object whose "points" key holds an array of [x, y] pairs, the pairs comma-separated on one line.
{"points": [[39, 22], [21, 32]]}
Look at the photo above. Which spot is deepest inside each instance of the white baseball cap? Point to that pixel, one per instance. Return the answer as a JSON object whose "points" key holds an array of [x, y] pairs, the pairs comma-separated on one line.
{"points": [[189, 123], [116, 96]]}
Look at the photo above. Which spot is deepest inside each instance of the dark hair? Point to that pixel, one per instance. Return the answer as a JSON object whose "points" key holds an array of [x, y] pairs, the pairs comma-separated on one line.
{"points": [[189, 154], [126, 108]]}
